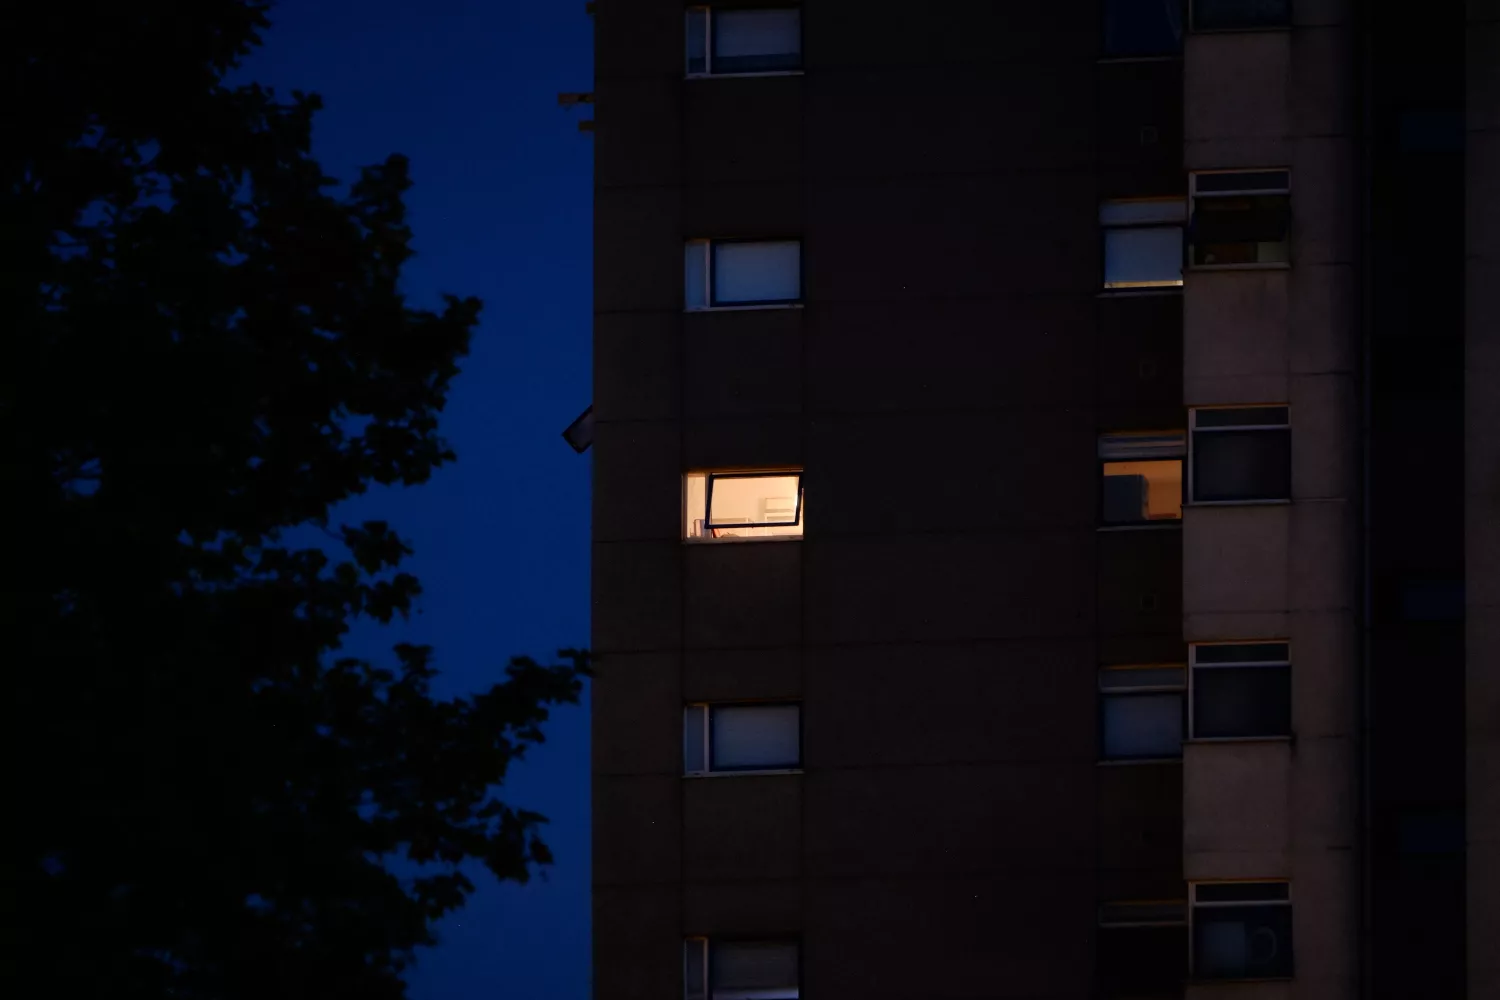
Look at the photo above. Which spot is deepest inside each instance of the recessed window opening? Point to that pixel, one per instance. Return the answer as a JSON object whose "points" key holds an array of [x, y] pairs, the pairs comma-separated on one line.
{"points": [[730, 505], [1242, 930], [1240, 218], [741, 273], [1141, 476], [1229, 15], [1141, 711], [743, 41], [1240, 454], [1240, 690], [1142, 243], [1142, 27], [757, 736], [717, 969]]}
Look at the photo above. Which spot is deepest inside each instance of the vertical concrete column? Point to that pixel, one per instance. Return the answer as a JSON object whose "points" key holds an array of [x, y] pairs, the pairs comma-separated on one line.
{"points": [[1482, 496], [1282, 99]]}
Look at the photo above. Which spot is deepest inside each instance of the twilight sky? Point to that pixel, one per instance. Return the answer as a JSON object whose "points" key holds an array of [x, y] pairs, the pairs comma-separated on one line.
{"points": [[501, 209]]}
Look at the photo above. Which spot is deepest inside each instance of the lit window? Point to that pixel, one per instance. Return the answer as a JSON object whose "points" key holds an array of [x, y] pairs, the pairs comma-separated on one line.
{"points": [[1240, 217], [1143, 242], [1142, 948], [740, 970], [752, 40], [741, 737], [720, 273], [1241, 690], [1240, 454], [722, 505], [1242, 930], [1142, 476], [1140, 712], [1219, 15]]}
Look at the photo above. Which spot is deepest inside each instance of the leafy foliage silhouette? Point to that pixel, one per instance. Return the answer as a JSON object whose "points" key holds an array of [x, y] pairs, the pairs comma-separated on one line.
{"points": [[207, 350]]}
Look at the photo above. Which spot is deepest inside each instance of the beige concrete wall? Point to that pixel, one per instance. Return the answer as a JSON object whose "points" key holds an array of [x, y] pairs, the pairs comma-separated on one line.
{"points": [[1482, 497], [1282, 809]]}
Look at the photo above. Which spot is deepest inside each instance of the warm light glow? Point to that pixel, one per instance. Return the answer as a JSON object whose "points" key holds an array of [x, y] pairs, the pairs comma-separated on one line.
{"points": [[745, 505], [1163, 481]]}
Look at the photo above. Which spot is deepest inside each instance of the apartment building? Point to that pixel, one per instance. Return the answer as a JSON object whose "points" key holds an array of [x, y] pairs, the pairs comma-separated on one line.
{"points": [[1046, 458]]}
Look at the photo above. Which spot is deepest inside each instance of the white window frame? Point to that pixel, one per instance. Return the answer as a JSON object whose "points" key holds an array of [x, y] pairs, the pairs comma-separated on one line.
{"points": [[1194, 666], [1192, 206], [1144, 287], [708, 45], [710, 264], [710, 475], [1194, 905], [705, 959], [707, 711], [1105, 691], [1192, 438]]}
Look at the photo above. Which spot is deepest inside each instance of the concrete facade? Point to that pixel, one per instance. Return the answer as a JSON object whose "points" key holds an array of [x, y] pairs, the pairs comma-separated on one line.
{"points": [[952, 831]]}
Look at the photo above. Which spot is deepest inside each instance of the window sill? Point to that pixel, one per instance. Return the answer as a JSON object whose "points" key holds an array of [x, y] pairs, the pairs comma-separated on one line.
{"points": [[1131, 293], [741, 76], [1237, 503], [1237, 739], [1273, 266], [1133, 761], [725, 309], [742, 540], [1150, 526], [744, 774]]}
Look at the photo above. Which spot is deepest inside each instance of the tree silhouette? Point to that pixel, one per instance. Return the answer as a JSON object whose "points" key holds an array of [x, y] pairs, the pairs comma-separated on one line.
{"points": [[206, 349]]}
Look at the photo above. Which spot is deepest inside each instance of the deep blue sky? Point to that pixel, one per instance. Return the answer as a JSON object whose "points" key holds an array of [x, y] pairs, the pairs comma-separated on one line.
{"points": [[501, 209]]}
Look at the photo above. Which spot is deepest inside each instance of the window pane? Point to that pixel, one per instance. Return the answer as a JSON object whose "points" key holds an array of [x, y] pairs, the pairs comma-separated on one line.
{"points": [[1242, 942], [757, 41], [1241, 892], [697, 41], [757, 272], [1142, 211], [1211, 14], [1242, 465], [1242, 652], [1138, 677], [1142, 27], [1142, 491], [1241, 230], [695, 505], [755, 736], [1240, 416], [1142, 961], [695, 275], [1242, 701], [694, 753], [751, 506], [742, 970], [1143, 258], [1142, 725], [695, 968]]}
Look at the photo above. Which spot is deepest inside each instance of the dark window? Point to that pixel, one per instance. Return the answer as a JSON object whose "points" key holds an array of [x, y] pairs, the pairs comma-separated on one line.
{"points": [[1240, 217], [1218, 15], [1142, 27], [1242, 930], [752, 40], [1141, 712], [1142, 949], [1241, 454], [1241, 690]]}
